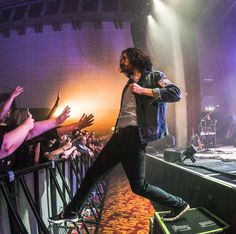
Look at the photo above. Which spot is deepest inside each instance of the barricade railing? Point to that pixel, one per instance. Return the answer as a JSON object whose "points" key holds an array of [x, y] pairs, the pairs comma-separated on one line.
{"points": [[29, 196]]}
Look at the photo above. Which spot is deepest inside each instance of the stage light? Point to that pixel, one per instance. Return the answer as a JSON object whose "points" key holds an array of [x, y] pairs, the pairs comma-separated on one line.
{"points": [[158, 6], [151, 21], [177, 156], [188, 153], [164, 15], [145, 7]]}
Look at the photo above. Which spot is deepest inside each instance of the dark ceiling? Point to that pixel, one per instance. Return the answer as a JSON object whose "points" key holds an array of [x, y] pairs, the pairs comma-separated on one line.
{"points": [[18, 15]]}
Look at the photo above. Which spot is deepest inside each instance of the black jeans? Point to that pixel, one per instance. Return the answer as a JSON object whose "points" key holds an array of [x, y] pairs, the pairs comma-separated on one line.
{"points": [[124, 147]]}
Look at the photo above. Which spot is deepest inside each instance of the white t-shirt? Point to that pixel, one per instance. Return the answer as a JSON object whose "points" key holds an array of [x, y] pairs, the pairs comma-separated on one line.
{"points": [[128, 116]]}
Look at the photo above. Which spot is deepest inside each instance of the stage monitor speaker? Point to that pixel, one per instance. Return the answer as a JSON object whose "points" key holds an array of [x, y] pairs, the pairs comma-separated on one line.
{"points": [[173, 155], [195, 220]]}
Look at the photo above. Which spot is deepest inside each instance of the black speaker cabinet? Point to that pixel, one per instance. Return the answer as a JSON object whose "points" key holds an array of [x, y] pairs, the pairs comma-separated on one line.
{"points": [[195, 220], [173, 155]]}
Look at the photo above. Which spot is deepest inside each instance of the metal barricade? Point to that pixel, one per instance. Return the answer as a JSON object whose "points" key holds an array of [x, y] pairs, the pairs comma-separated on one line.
{"points": [[28, 197]]}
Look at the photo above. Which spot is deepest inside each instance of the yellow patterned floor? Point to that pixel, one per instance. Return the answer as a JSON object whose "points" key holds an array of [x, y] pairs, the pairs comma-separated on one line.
{"points": [[124, 212]]}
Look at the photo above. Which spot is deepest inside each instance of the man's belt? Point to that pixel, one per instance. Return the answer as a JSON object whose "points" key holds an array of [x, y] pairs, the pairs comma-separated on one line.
{"points": [[126, 130]]}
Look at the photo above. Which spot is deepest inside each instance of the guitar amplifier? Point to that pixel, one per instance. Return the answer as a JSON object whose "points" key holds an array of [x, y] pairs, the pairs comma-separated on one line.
{"points": [[195, 220]]}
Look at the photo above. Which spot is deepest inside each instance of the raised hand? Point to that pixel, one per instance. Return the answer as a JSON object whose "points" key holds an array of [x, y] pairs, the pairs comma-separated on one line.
{"points": [[17, 91], [64, 115], [85, 121], [67, 153], [29, 122], [68, 145], [58, 97], [52, 111], [75, 154]]}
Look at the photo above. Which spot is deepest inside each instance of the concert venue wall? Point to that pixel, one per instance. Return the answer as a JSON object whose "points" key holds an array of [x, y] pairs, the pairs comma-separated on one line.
{"points": [[80, 64]]}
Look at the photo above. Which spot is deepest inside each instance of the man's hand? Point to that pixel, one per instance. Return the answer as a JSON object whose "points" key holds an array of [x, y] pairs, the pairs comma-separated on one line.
{"points": [[63, 116], [135, 88], [18, 90], [85, 121]]}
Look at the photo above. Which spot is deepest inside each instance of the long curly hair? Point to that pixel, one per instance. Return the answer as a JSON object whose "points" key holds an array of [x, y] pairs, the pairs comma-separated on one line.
{"points": [[138, 59]]}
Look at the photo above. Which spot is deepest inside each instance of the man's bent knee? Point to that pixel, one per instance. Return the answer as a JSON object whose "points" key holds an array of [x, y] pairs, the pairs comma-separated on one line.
{"points": [[139, 189]]}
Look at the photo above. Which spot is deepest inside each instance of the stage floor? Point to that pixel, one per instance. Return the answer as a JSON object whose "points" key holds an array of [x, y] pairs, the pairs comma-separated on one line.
{"points": [[218, 164], [210, 182]]}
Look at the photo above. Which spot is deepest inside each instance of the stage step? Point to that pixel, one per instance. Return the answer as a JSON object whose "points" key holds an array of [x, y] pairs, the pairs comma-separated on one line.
{"points": [[195, 220]]}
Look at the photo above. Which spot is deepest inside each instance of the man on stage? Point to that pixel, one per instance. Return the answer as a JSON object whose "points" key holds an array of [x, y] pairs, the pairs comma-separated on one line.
{"points": [[142, 119]]}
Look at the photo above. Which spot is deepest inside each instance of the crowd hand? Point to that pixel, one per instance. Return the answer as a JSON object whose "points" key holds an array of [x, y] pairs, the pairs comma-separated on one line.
{"points": [[64, 156], [63, 116], [135, 88], [85, 121], [91, 154], [68, 145], [17, 91], [58, 96], [29, 122], [67, 153], [58, 99], [75, 153]]}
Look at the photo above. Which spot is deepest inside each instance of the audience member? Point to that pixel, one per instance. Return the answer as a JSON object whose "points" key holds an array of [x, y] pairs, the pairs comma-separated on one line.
{"points": [[9, 102], [11, 140], [18, 126], [82, 148]]}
